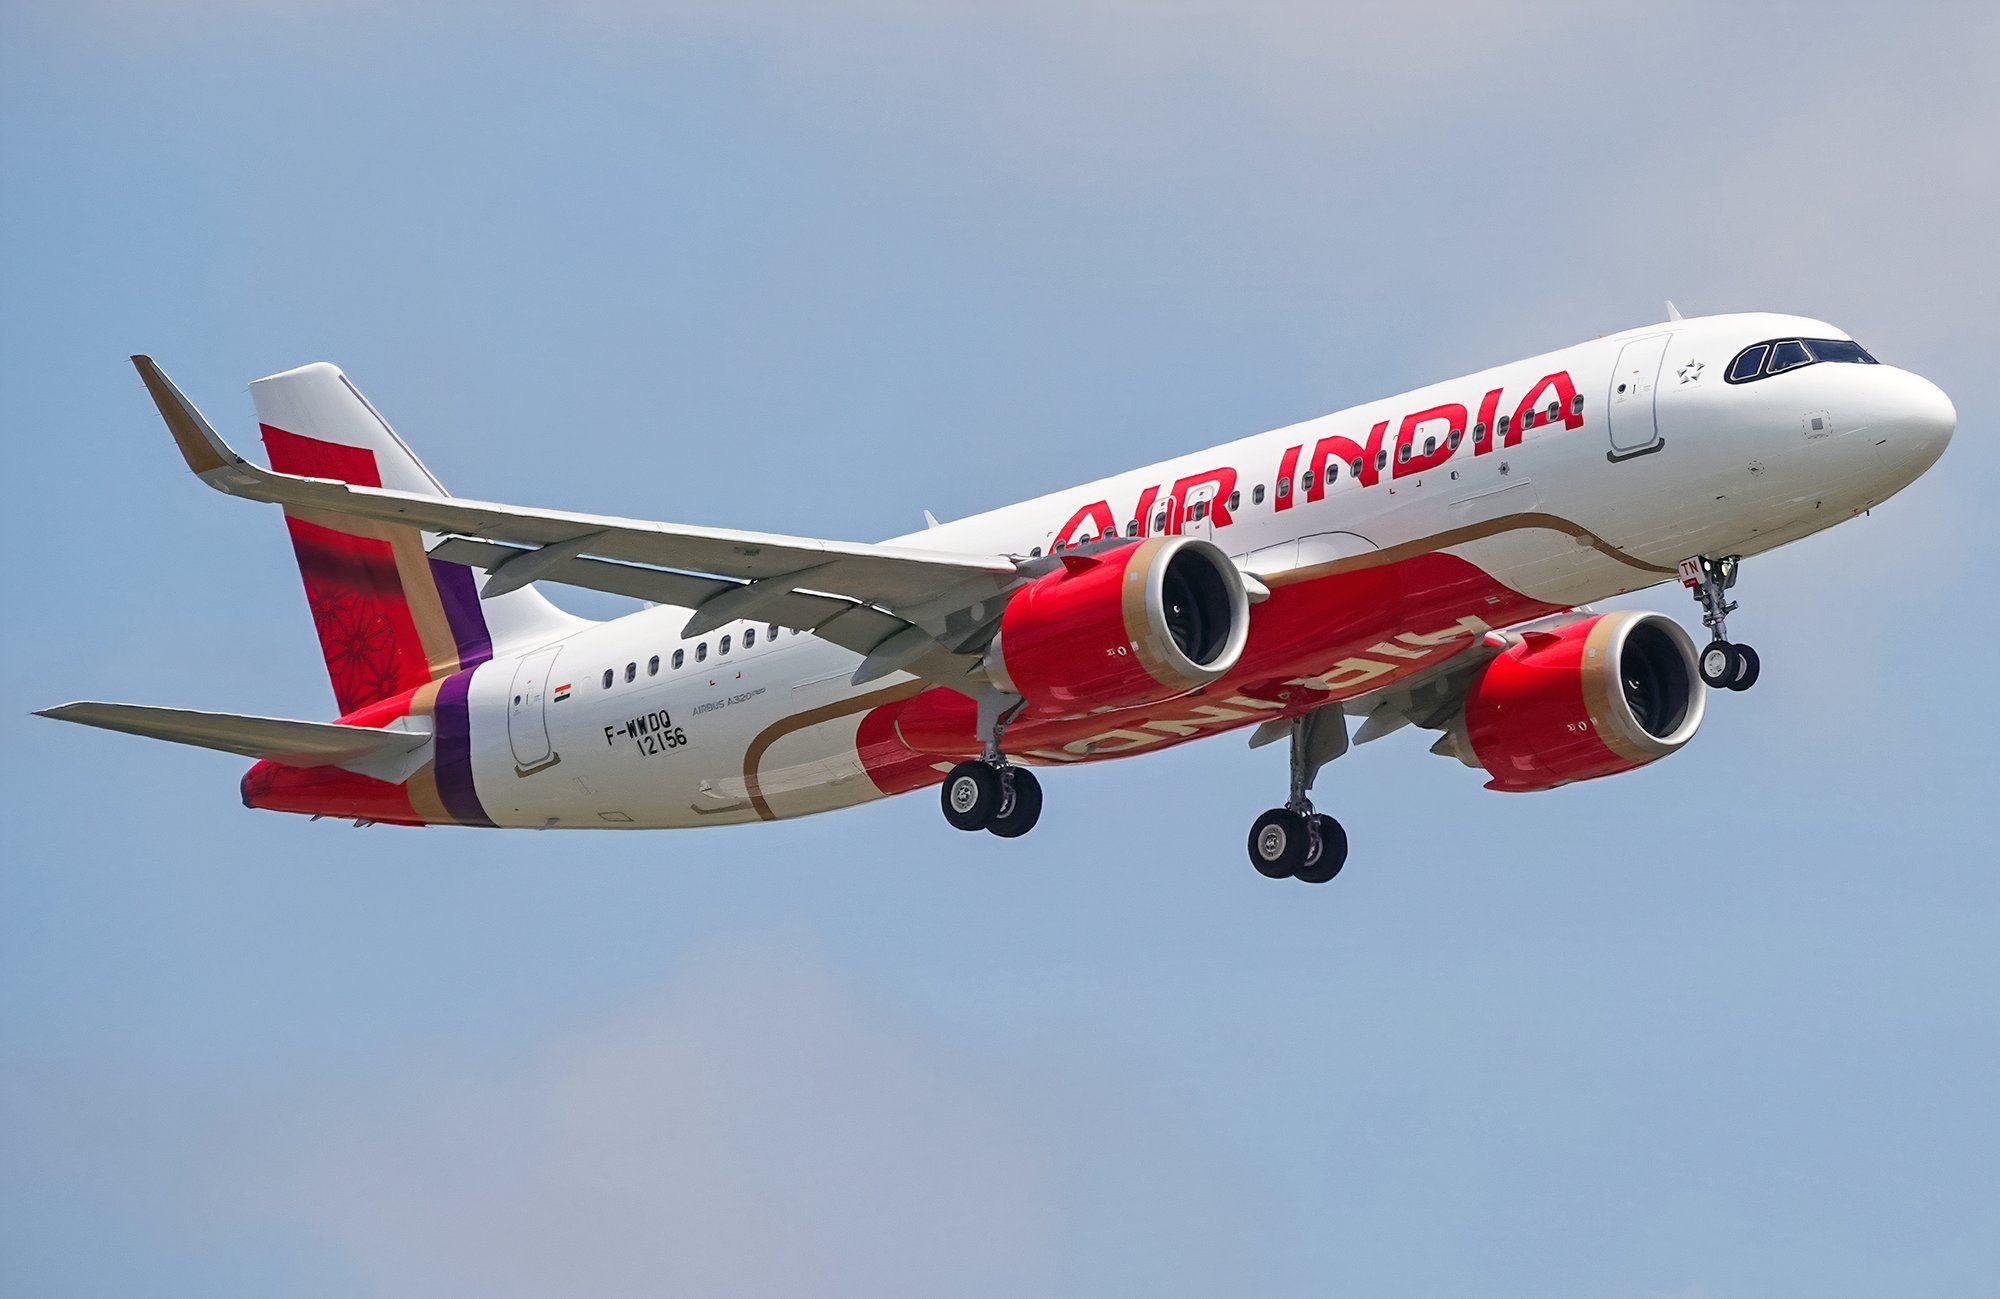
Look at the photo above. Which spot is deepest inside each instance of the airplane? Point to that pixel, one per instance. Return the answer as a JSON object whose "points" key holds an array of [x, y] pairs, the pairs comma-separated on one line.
{"points": [[1426, 560]]}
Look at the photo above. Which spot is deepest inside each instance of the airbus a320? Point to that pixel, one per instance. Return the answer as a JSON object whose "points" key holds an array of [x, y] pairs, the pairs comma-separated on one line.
{"points": [[1425, 560]]}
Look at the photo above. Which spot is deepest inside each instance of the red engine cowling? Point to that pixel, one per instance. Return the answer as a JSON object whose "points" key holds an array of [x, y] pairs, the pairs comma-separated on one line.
{"points": [[1134, 625], [1593, 698]]}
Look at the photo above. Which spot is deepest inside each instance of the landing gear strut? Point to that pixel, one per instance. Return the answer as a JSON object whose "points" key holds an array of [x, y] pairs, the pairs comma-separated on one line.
{"points": [[988, 792], [1724, 665], [1294, 841]]}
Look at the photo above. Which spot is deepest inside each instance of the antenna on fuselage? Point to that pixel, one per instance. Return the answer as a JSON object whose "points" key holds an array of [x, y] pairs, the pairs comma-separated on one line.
{"points": [[1673, 312]]}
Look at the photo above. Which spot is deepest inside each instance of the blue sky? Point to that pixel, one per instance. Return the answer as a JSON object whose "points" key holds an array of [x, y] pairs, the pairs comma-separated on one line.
{"points": [[1723, 1027]]}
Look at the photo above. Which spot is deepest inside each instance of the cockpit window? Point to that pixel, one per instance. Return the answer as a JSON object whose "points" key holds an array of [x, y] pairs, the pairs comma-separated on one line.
{"points": [[1760, 360], [1749, 363], [1839, 349], [1788, 355]]}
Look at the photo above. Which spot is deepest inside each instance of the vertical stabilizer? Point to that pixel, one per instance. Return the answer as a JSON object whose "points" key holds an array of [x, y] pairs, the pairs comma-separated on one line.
{"points": [[389, 617]]}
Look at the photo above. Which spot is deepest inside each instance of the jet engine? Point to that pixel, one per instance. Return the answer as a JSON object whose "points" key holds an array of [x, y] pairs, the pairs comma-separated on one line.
{"points": [[1134, 625], [1593, 698]]}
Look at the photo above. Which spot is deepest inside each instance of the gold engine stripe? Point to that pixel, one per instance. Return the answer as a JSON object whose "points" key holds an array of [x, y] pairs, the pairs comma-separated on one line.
{"points": [[1603, 694], [1135, 582]]}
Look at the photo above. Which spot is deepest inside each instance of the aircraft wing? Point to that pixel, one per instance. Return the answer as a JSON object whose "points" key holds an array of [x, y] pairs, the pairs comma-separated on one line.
{"points": [[903, 608]]}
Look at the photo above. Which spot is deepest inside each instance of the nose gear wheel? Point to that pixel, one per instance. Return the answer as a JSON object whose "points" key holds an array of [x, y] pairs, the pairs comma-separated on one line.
{"points": [[1724, 665]]}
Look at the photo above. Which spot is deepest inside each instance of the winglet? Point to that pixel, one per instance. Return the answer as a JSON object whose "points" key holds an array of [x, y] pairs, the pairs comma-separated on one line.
{"points": [[203, 449], [1673, 312]]}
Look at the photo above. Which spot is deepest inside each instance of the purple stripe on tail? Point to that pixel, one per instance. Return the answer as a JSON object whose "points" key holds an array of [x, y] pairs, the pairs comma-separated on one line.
{"points": [[461, 609], [453, 740]]}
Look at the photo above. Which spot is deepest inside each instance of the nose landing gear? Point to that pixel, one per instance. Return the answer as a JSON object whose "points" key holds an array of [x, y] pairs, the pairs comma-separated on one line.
{"points": [[1724, 666], [1293, 841]]}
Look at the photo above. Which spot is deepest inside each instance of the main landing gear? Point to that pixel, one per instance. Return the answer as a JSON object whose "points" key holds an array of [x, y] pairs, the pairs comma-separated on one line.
{"points": [[1724, 666], [1293, 841], [1000, 798], [989, 793]]}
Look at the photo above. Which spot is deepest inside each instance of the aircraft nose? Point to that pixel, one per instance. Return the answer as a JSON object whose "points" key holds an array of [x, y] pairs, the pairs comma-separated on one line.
{"points": [[1926, 417]]}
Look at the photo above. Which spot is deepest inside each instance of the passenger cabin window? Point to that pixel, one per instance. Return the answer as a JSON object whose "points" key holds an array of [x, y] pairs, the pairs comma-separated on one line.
{"points": [[701, 651], [680, 657], [723, 648], [631, 672], [653, 666], [774, 632], [1306, 481], [607, 678], [1160, 521], [1257, 494], [1235, 500], [1132, 528], [749, 637], [1354, 466], [1774, 356]]}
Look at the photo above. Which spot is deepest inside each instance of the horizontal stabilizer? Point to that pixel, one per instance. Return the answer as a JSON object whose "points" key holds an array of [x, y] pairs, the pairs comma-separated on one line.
{"points": [[392, 755]]}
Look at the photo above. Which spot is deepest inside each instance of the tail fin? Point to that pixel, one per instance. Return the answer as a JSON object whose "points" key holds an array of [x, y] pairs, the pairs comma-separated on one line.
{"points": [[389, 617]]}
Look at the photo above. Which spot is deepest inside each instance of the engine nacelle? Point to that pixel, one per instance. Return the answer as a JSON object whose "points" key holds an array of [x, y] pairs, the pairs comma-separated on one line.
{"points": [[1134, 625], [1593, 698]]}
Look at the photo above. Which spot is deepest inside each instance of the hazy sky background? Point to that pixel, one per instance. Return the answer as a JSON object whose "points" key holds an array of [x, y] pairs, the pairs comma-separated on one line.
{"points": [[1724, 1027]]}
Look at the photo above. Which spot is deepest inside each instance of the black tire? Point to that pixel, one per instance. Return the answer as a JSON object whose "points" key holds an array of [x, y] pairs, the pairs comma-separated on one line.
{"points": [[1719, 664], [1278, 843], [1020, 808], [1330, 852], [970, 795], [1746, 668]]}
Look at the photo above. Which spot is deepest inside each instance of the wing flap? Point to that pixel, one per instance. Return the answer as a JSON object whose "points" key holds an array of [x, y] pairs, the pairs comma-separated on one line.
{"points": [[843, 622]]}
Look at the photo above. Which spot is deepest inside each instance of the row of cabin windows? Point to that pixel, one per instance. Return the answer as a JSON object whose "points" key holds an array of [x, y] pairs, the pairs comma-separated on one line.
{"points": [[681, 655], [1199, 510]]}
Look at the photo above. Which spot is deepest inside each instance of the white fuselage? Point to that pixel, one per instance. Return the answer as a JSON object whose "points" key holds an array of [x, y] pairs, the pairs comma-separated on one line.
{"points": [[1656, 460]]}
